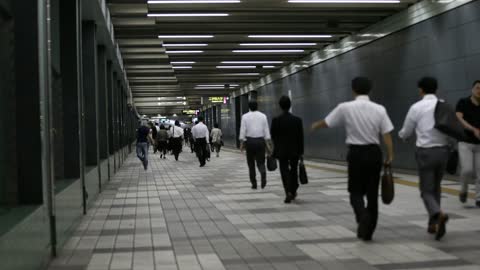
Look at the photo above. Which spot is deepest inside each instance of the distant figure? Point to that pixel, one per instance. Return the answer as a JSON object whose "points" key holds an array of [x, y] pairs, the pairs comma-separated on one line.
{"points": [[144, 137], [162, 142], [365, 122], [254, 137], [216, 137], [200, 135], [153, 128], [431, 154], [192, 140], [287, 136], [468, 111], [177, 139]]}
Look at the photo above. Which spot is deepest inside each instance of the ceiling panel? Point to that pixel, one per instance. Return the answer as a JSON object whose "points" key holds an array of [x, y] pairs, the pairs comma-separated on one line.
{"points": [[170, 52]]}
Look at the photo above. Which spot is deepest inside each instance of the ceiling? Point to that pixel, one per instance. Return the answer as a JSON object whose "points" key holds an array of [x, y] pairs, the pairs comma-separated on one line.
{"points": [[169, 73]]}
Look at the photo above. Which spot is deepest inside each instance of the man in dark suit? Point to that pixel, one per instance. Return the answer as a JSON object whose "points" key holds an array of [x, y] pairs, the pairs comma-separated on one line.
{"points": [[287, 136]]}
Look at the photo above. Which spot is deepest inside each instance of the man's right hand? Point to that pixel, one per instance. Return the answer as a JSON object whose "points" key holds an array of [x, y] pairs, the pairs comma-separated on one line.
{"points": [[476, 132]]}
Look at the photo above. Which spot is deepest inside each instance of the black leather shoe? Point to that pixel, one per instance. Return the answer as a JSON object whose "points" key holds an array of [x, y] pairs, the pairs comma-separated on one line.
{"points": [[288, 199], [442, 226], [432, 228], [477, 203], [462, 197], [254, 186], [264, 183]]}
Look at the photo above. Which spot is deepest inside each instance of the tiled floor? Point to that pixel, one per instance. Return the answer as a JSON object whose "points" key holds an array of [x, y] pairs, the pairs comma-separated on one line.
{"points": [[178, 216]]}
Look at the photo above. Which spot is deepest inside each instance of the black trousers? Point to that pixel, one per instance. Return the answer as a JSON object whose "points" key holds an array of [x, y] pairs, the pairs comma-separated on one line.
{"points": [[289, 173], [176, 146], [364, 167], [256, 153], [201, 149]]}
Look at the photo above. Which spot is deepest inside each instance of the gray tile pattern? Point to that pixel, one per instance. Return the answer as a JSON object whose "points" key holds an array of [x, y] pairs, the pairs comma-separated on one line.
{"points": [[177, 216]]}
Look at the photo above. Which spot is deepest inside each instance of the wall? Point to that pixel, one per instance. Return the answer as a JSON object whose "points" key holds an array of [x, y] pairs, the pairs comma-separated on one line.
{"points": [[446, 46]]}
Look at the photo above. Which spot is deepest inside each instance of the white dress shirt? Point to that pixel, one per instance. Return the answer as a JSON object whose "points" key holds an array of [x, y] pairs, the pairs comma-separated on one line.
{"points": [[254, 125], [363, 119], [216, 135], [421, 118], [176, 132], [200, 131]]}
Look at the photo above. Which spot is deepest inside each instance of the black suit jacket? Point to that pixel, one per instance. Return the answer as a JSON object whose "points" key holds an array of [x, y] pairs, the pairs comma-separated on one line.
{"points": [[287, 136]]}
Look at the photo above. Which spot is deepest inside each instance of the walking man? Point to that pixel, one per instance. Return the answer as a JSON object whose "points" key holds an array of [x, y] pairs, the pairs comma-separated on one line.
{"points": [[144, 137], [254, 137], [468, 111], [431, 154], [365, 122], [216, 136], [287, 136], [200, 135]]}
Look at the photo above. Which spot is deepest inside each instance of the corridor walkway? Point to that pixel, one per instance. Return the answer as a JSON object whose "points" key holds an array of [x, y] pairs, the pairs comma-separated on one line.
{"points": [[178, 216]]}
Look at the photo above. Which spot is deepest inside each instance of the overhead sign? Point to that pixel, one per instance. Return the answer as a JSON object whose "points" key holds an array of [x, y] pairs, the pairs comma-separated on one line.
{"points": [[216, 99], [192, 112]]}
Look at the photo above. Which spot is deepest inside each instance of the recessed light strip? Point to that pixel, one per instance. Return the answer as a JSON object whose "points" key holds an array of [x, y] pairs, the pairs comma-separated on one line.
{"points": [[188, 14], [182, 67], [234, 67], [186, 45], [252, 62], [290, 36], [173, 52], [346, 1], [192, 1], [183, 62], [185, 36], [278, 44], [268, 51]]}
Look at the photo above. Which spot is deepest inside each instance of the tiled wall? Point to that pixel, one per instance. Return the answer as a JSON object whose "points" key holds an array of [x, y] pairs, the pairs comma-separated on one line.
{"points": [[446, 46]]}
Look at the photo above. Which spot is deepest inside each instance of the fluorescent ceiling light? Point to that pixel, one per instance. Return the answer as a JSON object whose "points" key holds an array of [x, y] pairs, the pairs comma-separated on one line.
{"points": [[210, 87], [192, 1], [171, 52], [185, 36], [346, 1], [243, 74], [247, 67], [252, 62], [268, 51], [182, 67], [290, 36], [188, 15], [182, 62], [268, 66], [278, 44], [186, 45], [216, 85]]}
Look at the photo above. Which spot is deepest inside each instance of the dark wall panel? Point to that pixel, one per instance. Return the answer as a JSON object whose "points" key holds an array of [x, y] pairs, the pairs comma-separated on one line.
{"points": [[446, 46]]}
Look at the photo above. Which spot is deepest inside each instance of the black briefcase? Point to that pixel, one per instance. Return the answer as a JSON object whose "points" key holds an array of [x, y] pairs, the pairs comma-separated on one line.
{"points": [[388, 185], [271, 163], [302, 173]]}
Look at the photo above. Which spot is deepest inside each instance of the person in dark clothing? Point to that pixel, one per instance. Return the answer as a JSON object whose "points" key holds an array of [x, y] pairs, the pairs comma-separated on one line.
{"points": [[144, 137], [287, 136], [153, 128], [162, 142], [177, 139]]}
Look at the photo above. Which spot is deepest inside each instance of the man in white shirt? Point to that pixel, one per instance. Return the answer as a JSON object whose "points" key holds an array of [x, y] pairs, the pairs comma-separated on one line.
{"points": [[431, 154], [201, 135], [364, 121], [254, 137]]}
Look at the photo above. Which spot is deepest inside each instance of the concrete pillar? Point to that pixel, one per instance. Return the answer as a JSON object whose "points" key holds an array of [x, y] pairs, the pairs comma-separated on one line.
{"points": [[110, 107], [28, 148], [8, 155], [89, 57], [70, 69], [102, 103]]}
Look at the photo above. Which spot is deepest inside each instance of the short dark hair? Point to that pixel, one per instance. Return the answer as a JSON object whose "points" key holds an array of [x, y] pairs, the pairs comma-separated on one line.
{"points": [[162, 127], [215, 125], [196, 122], [475, 82], [253, 105], [177, 123], [361, 85], [428, 85], [285, 103], [200, 119]]}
